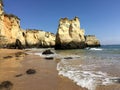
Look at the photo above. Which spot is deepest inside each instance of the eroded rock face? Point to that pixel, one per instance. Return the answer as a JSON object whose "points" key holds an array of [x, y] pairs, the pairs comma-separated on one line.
{"points": [[92, 41], [39, 38], [12, 36], [10, 29], [69, 34]]}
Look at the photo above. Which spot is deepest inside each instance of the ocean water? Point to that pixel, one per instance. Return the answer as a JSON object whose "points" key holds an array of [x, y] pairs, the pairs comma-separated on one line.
{"points": [[89, 67]]}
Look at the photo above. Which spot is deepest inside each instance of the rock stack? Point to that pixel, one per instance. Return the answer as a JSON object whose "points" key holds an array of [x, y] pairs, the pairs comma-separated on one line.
{"points": [[92, 41], [71, 36]]}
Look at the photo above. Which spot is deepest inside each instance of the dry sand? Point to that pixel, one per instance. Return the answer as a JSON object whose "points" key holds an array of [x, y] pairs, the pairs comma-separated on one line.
{"points": [[45, 78]]}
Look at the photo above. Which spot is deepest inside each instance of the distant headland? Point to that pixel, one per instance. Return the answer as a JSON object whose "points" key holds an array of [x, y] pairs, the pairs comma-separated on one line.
{"points": [[69, 34]]}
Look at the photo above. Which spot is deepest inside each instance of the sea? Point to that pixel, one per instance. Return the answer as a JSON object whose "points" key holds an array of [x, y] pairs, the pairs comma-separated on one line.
{"points": [[89, 67]]}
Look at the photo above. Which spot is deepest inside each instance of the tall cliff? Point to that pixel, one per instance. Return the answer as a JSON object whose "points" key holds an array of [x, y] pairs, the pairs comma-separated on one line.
{"points": [[69, 34], [11, 33], [9, 28]]}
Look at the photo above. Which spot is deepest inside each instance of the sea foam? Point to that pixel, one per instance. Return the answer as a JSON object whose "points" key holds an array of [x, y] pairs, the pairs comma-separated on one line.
{"points": [[96, 49], [85, 78]]}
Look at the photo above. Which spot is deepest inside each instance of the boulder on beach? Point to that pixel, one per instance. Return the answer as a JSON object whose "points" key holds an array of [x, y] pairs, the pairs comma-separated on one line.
{"points": [[31, 71], [6, 85], [49, 58], [47, 52]]}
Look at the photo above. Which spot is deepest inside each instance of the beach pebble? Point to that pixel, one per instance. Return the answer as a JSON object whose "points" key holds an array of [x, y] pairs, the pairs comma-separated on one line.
{"points": [[18, 75], [47, 52], [31, 71], [117, 80], [68, 58], [6, 85], [6, 57], [49, 58]]}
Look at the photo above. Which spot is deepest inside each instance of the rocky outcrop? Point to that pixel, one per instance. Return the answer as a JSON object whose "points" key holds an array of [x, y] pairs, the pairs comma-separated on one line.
{"points": [[92, 41], [69, 34], [12, 36], [9, 29], [38, 38]]}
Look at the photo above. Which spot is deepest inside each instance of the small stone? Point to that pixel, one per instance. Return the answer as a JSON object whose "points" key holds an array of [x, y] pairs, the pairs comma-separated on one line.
{"points": [[31, 71], [6, 57], [18, 75], [117, 80], [47, 52], [49, 58], [6, 85], [68, 58]]}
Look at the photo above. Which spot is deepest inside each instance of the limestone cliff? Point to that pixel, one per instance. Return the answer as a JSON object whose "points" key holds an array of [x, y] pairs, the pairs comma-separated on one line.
{"points": [[69, 34], [9, 28], [92, 41], [39, 38], [12, 36]]}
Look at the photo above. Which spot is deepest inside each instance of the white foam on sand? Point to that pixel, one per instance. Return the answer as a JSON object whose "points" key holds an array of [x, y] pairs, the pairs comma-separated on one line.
{"points": [[96, 49], [40, 51], [86, 79]]}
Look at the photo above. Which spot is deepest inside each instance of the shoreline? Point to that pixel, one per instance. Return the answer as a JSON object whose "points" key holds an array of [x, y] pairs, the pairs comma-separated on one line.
{"points": [[45, 78]]}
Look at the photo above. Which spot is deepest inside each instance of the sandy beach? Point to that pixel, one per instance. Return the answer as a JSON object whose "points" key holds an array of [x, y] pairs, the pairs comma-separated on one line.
{"points": [[16, 62], [45, 78]]}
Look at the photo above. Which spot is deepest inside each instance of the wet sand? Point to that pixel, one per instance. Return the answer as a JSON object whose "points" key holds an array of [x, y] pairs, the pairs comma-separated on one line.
{"points": [[45, 78]]}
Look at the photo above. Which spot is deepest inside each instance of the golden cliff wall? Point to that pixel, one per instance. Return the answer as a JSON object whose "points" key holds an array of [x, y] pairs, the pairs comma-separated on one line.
{"points": [[69, 34], [39, 38], [92, 41], [9, 28], [11, 33]]}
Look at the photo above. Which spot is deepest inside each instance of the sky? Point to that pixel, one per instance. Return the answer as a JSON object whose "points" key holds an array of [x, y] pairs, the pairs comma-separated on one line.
{"points": [[97, 17]]}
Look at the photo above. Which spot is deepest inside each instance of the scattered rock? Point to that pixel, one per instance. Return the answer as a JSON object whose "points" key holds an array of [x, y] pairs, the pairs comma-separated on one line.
{"points": [[18, 54], [31, 71], [47, 52], [6, 85], [116, 80], [68, 58], [57, 60], [6, 57], [18, 75], [49, 58], [18, 44]]}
